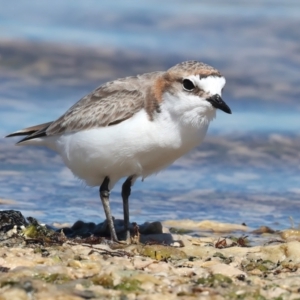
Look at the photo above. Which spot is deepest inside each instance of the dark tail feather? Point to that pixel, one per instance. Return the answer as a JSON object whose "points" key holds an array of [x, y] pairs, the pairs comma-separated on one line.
{"points": [[31, 132]]}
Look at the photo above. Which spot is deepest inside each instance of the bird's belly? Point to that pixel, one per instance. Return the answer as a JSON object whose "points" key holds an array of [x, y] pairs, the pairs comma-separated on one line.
{"points": [[130, 148], [92, 161], [158, 159]]}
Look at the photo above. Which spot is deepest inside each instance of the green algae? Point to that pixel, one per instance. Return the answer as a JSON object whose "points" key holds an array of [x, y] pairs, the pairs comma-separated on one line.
{"points": [[55, 278], [220, 255], [128, 285], [262, 265], [8, 282], [160, 252], [226, 260], [39, 234], [31, 231], [105, 280], [215, 280], [36, 231], [253, 295]]}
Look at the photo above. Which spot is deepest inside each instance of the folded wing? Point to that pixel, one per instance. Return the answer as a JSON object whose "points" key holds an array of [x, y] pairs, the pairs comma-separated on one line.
{"points": [[108, 105]]}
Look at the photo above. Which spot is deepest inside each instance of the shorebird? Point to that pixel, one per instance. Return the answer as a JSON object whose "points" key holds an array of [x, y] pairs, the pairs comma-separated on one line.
{"points": [[133, 127]]}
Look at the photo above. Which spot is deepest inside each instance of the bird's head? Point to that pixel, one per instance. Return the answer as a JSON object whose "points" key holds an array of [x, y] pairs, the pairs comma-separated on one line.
{"points": [[194, 90]]}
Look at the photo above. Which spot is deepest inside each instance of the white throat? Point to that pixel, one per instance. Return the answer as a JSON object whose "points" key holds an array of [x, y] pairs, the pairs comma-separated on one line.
{"points": [[188, 109]]}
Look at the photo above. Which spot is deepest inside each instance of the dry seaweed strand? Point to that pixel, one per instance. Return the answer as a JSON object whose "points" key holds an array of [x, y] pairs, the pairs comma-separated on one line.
{"points": [[119, 253], [221, 244]]}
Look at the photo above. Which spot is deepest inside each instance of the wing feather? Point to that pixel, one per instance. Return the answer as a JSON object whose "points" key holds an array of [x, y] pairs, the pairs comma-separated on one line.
{"points": [[29, 130], [107, 105]]}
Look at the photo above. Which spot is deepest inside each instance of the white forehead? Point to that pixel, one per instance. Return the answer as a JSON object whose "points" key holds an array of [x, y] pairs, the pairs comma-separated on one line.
{"points": [[210, 84]]}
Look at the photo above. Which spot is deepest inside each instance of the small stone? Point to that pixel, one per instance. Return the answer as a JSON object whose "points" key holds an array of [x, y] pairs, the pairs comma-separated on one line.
{"points": [[151, 228]]}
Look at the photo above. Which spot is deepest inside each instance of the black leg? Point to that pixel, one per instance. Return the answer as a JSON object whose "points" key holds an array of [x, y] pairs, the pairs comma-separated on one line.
{"points": [[104, 196], [126, 190]]}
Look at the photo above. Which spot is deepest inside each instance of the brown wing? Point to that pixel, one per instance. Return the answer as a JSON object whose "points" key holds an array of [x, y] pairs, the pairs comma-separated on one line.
{"points": [[103, 107], [107, 105]]}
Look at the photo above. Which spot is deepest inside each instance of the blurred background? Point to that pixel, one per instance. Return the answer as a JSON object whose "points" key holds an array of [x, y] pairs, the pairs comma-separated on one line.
{"points": [[52, 53]]}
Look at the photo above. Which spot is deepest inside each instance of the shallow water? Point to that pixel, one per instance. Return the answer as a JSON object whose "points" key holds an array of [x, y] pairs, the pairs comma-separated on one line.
{"points": [[247, 170]]}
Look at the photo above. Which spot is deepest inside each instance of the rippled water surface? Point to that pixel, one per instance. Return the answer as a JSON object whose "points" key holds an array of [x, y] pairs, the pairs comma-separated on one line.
{"points": [[248, 168]]}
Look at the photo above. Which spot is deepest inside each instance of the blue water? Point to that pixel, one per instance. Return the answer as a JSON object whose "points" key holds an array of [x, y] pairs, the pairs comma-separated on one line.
{"points": [[247, 170]]}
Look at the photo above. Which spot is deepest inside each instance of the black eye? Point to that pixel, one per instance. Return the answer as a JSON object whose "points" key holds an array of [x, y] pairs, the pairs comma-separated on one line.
{"points": [[188, 85]]}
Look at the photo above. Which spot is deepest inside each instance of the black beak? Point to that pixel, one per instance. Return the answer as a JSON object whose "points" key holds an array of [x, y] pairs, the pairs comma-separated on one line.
{"points": [[217, 102]]}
